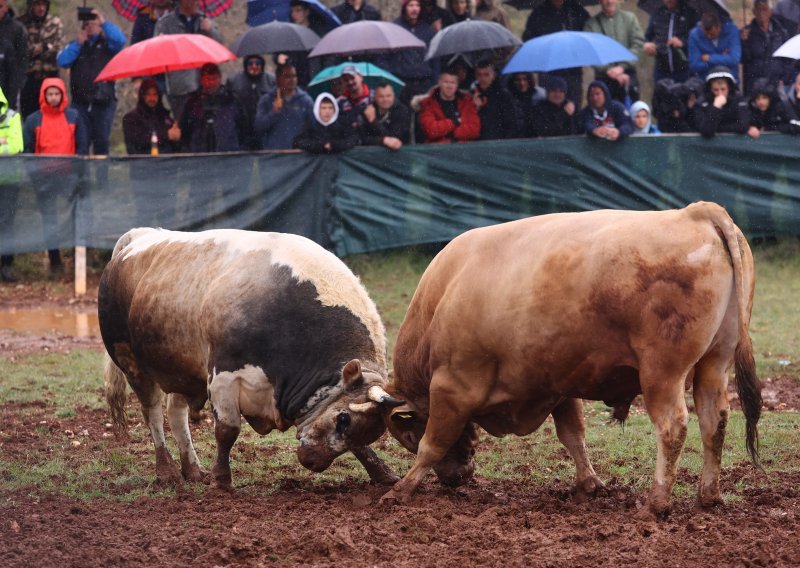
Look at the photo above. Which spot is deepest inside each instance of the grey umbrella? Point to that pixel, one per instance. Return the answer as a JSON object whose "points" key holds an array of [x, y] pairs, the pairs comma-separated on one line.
{"points": [[275, 37], [471, 35], [364, 37]]}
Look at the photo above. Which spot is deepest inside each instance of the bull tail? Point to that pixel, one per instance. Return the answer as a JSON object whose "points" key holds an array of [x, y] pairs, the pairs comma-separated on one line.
{"points": [[748, 386], [116, 395]]}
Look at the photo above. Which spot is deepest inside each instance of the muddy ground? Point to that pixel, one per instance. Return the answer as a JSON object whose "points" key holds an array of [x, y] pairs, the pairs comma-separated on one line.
{"points": [[486, 523]]}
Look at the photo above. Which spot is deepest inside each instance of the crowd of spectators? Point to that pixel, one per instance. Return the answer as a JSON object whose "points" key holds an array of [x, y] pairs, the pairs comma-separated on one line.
{"points": [[256, 109], [696, 77]]}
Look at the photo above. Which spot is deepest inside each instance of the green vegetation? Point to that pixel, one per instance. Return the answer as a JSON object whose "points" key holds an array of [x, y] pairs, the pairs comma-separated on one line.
{"points": [[55, 438]]}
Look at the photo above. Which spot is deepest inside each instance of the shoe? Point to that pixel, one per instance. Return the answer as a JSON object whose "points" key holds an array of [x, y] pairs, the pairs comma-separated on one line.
{"points": [[7, 274], [56, 271]]}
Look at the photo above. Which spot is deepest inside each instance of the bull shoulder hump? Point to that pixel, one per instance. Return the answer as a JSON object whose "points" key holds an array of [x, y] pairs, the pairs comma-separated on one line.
{"points": [[335, 284]]}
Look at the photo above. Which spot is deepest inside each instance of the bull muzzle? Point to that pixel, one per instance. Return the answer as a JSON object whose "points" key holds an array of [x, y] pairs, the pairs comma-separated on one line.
{"points": [[311, 458]]}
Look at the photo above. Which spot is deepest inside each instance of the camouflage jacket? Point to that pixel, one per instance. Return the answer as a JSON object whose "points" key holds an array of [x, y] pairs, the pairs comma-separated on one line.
{"points": [[45, 40]]}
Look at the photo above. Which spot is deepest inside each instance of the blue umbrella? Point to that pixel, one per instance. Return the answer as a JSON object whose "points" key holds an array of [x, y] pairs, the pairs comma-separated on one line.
{"points": [[563, 50], [323, 81], [263, 11]]}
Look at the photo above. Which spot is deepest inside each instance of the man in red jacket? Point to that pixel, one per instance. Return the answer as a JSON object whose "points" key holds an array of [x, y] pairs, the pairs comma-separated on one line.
{"points": [[447, 114]]}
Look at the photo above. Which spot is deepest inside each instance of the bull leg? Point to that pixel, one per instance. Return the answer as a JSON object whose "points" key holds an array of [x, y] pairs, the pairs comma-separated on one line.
{"points": [[149, 395], [449, 414], [570, 428], [377, 469], [663, 399], [711, 402], [178, 415], [223, 392]]}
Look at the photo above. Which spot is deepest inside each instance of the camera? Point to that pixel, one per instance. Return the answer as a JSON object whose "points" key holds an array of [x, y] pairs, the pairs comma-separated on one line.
{"points": [[86, 14]]}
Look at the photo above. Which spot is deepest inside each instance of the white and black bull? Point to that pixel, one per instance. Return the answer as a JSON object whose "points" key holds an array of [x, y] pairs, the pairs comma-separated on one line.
{"points": [[268, 326]]}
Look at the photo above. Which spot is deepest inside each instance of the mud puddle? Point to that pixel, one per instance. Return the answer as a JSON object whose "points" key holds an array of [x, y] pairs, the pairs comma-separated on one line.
{"points": [[43, 320]]}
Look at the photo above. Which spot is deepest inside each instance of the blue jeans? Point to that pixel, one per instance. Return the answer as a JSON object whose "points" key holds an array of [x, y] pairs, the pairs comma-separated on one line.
{"points": [[98, 120]]}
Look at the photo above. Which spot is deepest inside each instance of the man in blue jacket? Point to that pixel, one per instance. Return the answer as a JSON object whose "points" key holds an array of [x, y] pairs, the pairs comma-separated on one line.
{"points": [[98, 41], [604, 117], [283, 113], [714, 42]]}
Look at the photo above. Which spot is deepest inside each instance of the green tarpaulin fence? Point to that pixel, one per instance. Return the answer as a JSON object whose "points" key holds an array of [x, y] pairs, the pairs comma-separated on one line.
{"points": [[371, 198]]}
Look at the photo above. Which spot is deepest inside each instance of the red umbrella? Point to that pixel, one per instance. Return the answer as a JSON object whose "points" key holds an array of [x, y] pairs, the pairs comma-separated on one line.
{"points": [[165, 53], [130, 8]]}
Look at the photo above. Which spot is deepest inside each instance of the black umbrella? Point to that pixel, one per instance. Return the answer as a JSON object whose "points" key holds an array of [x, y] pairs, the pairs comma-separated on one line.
{"points": [[275, 37], [701, 7], [533, 4], [471, 35]]}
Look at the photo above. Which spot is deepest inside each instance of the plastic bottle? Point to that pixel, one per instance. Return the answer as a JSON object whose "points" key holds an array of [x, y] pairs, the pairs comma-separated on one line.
{"points": [[154, 144]]}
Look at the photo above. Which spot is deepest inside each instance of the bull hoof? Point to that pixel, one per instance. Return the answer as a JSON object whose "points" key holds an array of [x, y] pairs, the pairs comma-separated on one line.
{"points": [[168, 477], [590, 486], [659, 507], [454, 474], [709, 501], [385, 478], [220, 486], [194, 474], [393, 497]]}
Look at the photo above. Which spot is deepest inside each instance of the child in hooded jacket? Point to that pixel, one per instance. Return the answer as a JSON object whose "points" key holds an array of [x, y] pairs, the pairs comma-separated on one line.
{"points": [[326, 135], [770, 113], [54, 129]]}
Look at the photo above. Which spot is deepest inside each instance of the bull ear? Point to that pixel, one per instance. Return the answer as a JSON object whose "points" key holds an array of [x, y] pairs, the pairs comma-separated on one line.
{"points": [[403, 417], [351, 372]]}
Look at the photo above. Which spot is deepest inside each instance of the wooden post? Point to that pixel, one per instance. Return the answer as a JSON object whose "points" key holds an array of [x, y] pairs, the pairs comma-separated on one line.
{"points": [[80, 271]]}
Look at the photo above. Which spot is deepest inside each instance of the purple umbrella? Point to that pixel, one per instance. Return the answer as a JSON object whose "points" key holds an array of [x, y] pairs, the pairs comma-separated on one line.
{"points": [[364, 37]]}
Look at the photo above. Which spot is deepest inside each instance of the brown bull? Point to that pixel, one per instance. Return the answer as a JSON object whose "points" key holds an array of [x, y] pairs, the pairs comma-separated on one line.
{"points": [[515, 322]]}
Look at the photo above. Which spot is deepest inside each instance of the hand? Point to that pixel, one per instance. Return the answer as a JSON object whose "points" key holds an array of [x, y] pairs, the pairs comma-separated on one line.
{"points": [[205, 24], [569, 108], [369, 113], [650, 48], [437, 25], [720, 101], [277, 104], [3, 140], [100, 18], [705, 57], [613, 133], [614, 71], [753, 132], [327, 146], [392, 143], [477, 99], [623, 79], [174, 132], [601, 132], [82, 36], [691, 100], [282, 59], [674, 42], [744, 33]]}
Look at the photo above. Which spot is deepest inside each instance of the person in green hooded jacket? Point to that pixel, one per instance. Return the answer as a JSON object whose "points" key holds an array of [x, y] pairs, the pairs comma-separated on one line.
{"points": [[10, 143]]}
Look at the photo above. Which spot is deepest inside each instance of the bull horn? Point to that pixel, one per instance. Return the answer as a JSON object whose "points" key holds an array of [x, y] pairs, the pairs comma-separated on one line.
{"points": [[382, 397], [369, 406]]}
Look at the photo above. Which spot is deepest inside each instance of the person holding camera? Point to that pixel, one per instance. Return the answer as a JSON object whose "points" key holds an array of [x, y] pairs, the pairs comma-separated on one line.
{"points": [[210, 116], [98, 40]]}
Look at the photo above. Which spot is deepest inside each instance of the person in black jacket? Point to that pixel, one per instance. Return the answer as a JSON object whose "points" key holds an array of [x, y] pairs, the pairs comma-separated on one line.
{"points": [[247, 87], [387, 122], [555, 16], [150, 118], [13, 54], [760, 38], [527, 94], [769, 112], [667, 39], [603, 117], [554, 116], [326, 135], [351, 11], [210, 117], [722, 108], [497, 108]]}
